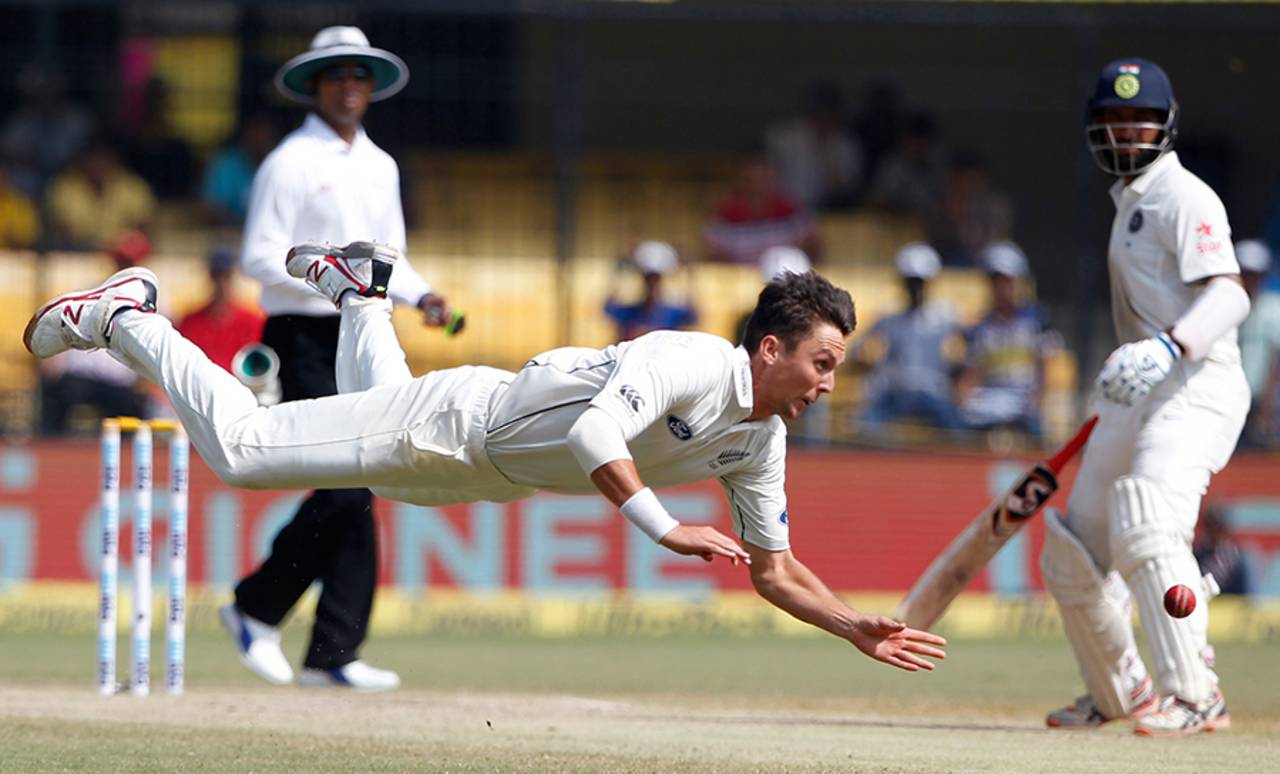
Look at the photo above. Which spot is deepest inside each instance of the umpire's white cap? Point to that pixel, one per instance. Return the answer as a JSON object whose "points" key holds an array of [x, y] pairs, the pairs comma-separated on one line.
{"points": [[1253, 255], [654, 257], [332, 44], [918, 260], [781, 259], [1004, 258]]}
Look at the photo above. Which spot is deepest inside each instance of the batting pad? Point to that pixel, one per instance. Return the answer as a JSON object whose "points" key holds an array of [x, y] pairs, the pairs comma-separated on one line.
{"points": [[1095, 619], [1152, 554]]}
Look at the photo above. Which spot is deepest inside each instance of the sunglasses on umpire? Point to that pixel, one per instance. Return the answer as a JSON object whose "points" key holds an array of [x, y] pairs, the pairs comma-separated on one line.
{"points": [[343, 72]]}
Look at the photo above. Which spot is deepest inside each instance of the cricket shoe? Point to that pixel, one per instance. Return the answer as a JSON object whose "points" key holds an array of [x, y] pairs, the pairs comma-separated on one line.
{"points": [[363, 268], [258, 645], [1178, 717], [84, 319], [1083, 713], [357, 675]]}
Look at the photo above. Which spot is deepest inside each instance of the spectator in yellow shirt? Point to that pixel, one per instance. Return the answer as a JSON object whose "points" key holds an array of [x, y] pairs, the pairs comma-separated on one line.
{"points": [[19, 225], [96, 199]]}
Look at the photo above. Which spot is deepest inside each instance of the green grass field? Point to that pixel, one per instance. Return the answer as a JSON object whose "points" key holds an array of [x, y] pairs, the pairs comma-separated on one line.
{"points": [[645, 704]]}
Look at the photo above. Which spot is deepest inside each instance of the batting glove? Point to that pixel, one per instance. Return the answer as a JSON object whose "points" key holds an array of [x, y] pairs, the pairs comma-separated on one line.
{"points": [[1134, 369]]}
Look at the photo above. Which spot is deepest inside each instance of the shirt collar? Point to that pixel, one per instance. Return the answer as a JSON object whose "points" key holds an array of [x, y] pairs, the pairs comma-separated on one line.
{"points": [[316, 126], [1143, 183], [742, 378]]}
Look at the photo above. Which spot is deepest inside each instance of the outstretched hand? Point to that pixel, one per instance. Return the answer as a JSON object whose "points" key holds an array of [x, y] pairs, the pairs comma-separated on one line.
{"points": [[896, 644], [435, 310], [706, 542]]}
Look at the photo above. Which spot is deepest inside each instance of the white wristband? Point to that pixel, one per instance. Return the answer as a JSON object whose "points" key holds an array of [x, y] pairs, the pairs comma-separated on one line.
{"points": [[643, 510]]}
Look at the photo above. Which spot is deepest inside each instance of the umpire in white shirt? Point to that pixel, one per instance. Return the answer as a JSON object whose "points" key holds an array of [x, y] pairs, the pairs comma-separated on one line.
{"points": [[325, 181]]}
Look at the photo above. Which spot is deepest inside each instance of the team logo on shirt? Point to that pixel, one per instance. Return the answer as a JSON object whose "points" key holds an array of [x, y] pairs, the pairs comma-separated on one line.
{"points": [[783, 518], [728, 457], [1135, 222], [632, 396], [679, 428]]}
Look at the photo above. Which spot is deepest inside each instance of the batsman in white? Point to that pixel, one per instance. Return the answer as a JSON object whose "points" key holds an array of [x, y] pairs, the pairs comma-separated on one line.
{"points": [[667, 408], [1174, 400]]}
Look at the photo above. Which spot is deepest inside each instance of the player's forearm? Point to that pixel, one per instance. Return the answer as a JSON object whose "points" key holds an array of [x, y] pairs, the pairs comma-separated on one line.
{"points": [[600, 447], [793, 588], [618, 481]]}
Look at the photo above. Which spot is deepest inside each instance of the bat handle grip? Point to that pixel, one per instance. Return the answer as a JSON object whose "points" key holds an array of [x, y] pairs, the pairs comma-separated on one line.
{"points": [[1059, 461]]}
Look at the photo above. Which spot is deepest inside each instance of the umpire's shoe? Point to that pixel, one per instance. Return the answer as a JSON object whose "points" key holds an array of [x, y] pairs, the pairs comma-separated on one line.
{"points": [[357, 675], [258, 645], [363, 268], [84, 319]]}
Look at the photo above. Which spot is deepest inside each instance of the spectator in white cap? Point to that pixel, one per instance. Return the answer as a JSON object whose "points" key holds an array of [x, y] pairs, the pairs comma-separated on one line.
{"points": [[1259, 341], [911, 380], [325, 182], [1002, 383], [783, 258], [654, 261], [774, 262]]}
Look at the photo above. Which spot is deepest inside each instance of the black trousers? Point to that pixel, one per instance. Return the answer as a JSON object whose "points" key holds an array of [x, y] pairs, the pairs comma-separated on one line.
{"points": [[69, 391], [332, 538]]}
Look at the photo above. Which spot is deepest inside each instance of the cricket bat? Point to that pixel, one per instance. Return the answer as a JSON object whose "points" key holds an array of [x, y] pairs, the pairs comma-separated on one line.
{"points": [[973, 548]]}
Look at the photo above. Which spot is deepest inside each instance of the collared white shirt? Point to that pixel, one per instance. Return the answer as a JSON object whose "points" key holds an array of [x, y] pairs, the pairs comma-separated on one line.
{"points": [[1170, 231], [681, 399], [314, 187]]}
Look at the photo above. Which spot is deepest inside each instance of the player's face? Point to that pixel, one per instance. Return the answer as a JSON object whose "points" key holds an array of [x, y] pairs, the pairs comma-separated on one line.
{"points": [[793, 379], [1133, 126], [1003, 291], [342, 93]]}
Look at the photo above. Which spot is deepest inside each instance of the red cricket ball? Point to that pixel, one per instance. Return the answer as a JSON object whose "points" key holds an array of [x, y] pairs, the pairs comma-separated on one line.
{"points": [[1179, 601]]}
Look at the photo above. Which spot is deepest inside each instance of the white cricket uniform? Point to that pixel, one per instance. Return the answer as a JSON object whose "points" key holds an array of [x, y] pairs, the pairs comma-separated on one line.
{"points": [[314, 187], [1170, 231], [475, 433], [1136, 499]]}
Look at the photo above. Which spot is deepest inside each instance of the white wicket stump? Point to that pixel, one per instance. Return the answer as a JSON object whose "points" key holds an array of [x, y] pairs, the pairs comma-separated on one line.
{"points": [[143, 491], [140, 684], [108, 558], [176, 620]]}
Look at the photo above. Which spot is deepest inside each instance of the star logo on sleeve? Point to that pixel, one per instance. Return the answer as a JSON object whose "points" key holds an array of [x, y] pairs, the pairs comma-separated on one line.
{"points": [[1206, 242]]}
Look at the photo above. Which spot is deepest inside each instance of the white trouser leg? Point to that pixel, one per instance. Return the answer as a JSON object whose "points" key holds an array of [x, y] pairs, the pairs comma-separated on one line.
{"points": [[342, 441], [369, 352], [1186, 437], [1096, 619]]}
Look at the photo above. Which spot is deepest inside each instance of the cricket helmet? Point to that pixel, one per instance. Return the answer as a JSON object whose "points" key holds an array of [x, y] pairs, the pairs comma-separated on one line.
{"points": [[1130, 83]]}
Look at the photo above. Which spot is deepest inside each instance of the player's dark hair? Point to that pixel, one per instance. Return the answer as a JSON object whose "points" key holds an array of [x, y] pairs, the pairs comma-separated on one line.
{"points": [[792, 304]]}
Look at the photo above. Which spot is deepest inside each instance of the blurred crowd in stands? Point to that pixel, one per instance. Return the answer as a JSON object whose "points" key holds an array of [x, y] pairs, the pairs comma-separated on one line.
{"points": [[95, 179], [70, 180]]}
